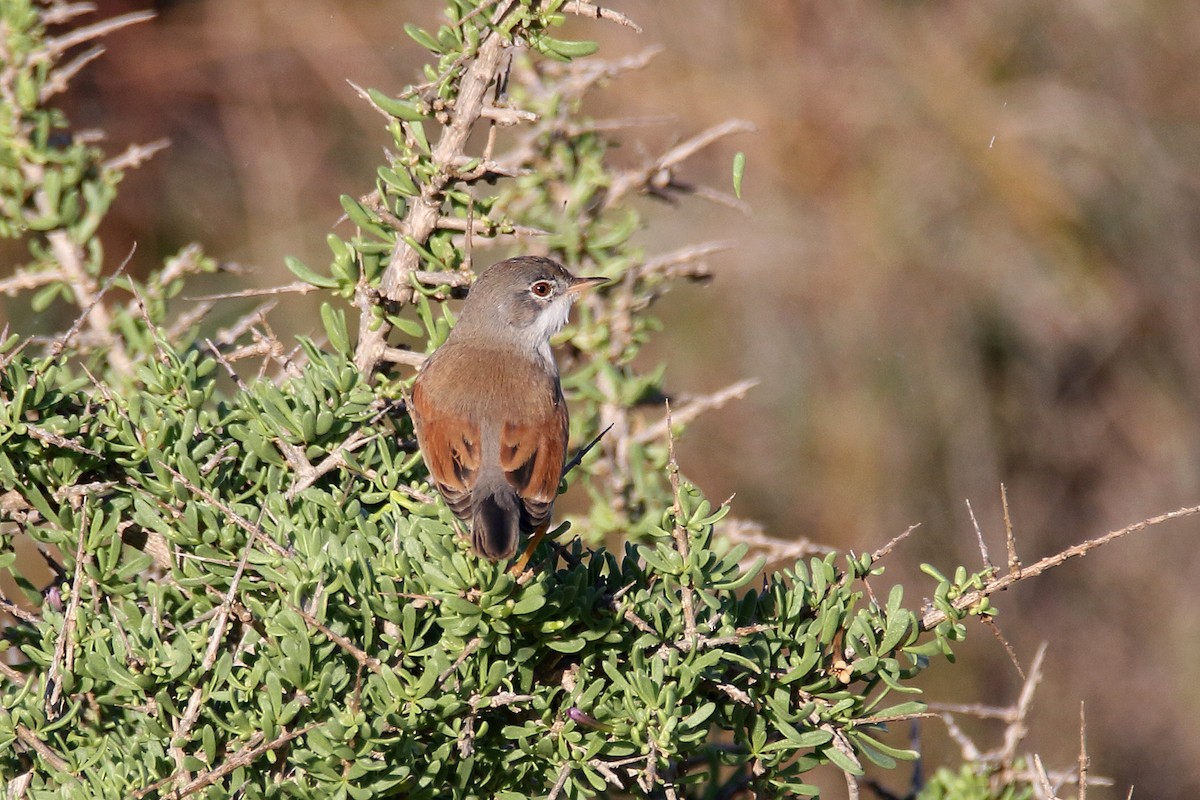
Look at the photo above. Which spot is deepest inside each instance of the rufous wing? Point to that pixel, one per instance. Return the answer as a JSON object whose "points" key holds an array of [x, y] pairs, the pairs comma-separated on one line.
{"points": [[452, 448], [532, 457]]}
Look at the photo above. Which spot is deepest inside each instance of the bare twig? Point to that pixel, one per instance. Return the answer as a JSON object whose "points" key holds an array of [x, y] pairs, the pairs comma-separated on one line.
{"points": [[58, 13], [333, 461], [680, 535], [890, 546], [60, 78], [1010, 539], [42, 749], [585, 9], [50, 437], [297, 287], [1017, 729], [135, 155], [470, 648], [934, 617], [990, 622], [658, 173], [243, 523], [686, 262], [60, 44], [64, 647], [983, 550], [221, 624], [425, 210], [842, 745], [694, 407], [1084, 761], [1043, 779], [564, 773], [253, 748], [26, 279], [70, 260], [360, 655], [410, 358], [14, 677]]}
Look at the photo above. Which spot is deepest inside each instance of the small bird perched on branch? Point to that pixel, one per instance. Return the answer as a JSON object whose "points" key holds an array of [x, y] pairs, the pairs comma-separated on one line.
{"points": [[488, 408]]}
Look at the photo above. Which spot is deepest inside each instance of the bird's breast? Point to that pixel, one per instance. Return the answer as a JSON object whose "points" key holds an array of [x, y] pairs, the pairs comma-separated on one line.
{"points": [[489, 385]]}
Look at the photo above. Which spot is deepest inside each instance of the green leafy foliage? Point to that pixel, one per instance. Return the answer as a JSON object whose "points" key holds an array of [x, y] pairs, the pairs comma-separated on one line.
{"points": [[259, 596], [971, 783]]}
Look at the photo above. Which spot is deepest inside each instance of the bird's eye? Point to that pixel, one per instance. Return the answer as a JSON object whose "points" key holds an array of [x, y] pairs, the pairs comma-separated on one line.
{"points": [[541, 288]]}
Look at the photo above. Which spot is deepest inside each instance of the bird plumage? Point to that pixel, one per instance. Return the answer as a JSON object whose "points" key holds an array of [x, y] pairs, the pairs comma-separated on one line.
{"points": [[487, 406]]}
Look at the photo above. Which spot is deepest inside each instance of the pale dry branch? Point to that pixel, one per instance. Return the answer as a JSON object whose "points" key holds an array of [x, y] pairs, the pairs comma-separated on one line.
{"points": [[246, 525], [658, 174], [60, 78], [478, 230], [1043, 780], [185, 262], [753, 533], [686, 262], [191, 714], [396, 355], [507, 117], [425, 210], [990, 622], [227, 336], [842, 745], [334, 460], [359, 655], [891, 545], [25, 279], [693, 407], [586, 9], [1084, 761], [296, 287], [1010, 539], [14, 677], [1017, 729], [64, 647], [59, 13], [135, 155], [253, 748], [579, 76], [42, 749], [184, 322], [93, 312], [983, 550], [86, 33], [564, 773], [680, 534], [934, 617], [50, 437]]}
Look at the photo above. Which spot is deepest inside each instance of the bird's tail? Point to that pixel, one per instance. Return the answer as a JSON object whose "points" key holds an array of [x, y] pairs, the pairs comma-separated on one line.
{"points": [[496, 523]]}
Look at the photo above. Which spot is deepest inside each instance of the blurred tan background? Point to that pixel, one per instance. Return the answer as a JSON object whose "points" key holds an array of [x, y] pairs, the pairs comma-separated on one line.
{"points": [[972, 257]]}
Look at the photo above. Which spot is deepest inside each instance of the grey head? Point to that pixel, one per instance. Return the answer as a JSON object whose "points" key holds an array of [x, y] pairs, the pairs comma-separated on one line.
{"points": [[521, 302]]}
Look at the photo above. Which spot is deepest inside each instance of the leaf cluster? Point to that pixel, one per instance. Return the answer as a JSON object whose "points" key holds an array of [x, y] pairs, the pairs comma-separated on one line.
{"points": [[256, 593]]}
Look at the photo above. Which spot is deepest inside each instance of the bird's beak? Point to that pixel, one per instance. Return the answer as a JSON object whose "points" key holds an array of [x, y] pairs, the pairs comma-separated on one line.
{"points": [[580, 285]]}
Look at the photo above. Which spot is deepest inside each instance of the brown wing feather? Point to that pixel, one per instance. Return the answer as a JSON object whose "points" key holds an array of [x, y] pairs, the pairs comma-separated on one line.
{"points": [[463, 387], [451, 447], [532, 457]]}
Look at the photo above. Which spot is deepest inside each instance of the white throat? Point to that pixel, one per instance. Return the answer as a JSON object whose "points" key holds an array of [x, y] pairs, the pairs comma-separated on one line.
{"points": [[549, 322]]}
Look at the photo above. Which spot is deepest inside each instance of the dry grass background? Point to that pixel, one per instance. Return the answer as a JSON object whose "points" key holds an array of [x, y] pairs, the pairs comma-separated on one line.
{"points": [[972, 257]]}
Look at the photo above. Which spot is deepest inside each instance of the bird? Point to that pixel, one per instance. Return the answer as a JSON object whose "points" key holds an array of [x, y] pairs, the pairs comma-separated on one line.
{"points": [[487, 406]]}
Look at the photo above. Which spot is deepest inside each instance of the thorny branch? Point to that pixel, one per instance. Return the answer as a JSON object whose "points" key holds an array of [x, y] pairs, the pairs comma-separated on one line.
{"points": [[934, 617], [424, 212], [1005, 758]]}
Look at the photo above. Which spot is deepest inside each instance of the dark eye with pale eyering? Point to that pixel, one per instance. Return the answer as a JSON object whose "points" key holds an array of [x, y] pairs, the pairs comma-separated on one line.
{"points": [[541, 289]]}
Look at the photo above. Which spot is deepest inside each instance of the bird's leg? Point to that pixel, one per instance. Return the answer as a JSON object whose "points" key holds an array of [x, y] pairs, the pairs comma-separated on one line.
{"points": [[535, 539]]}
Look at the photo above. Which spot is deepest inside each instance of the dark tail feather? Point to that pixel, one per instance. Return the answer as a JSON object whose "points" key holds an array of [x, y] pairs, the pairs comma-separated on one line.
{"points": [[496, 525]]}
